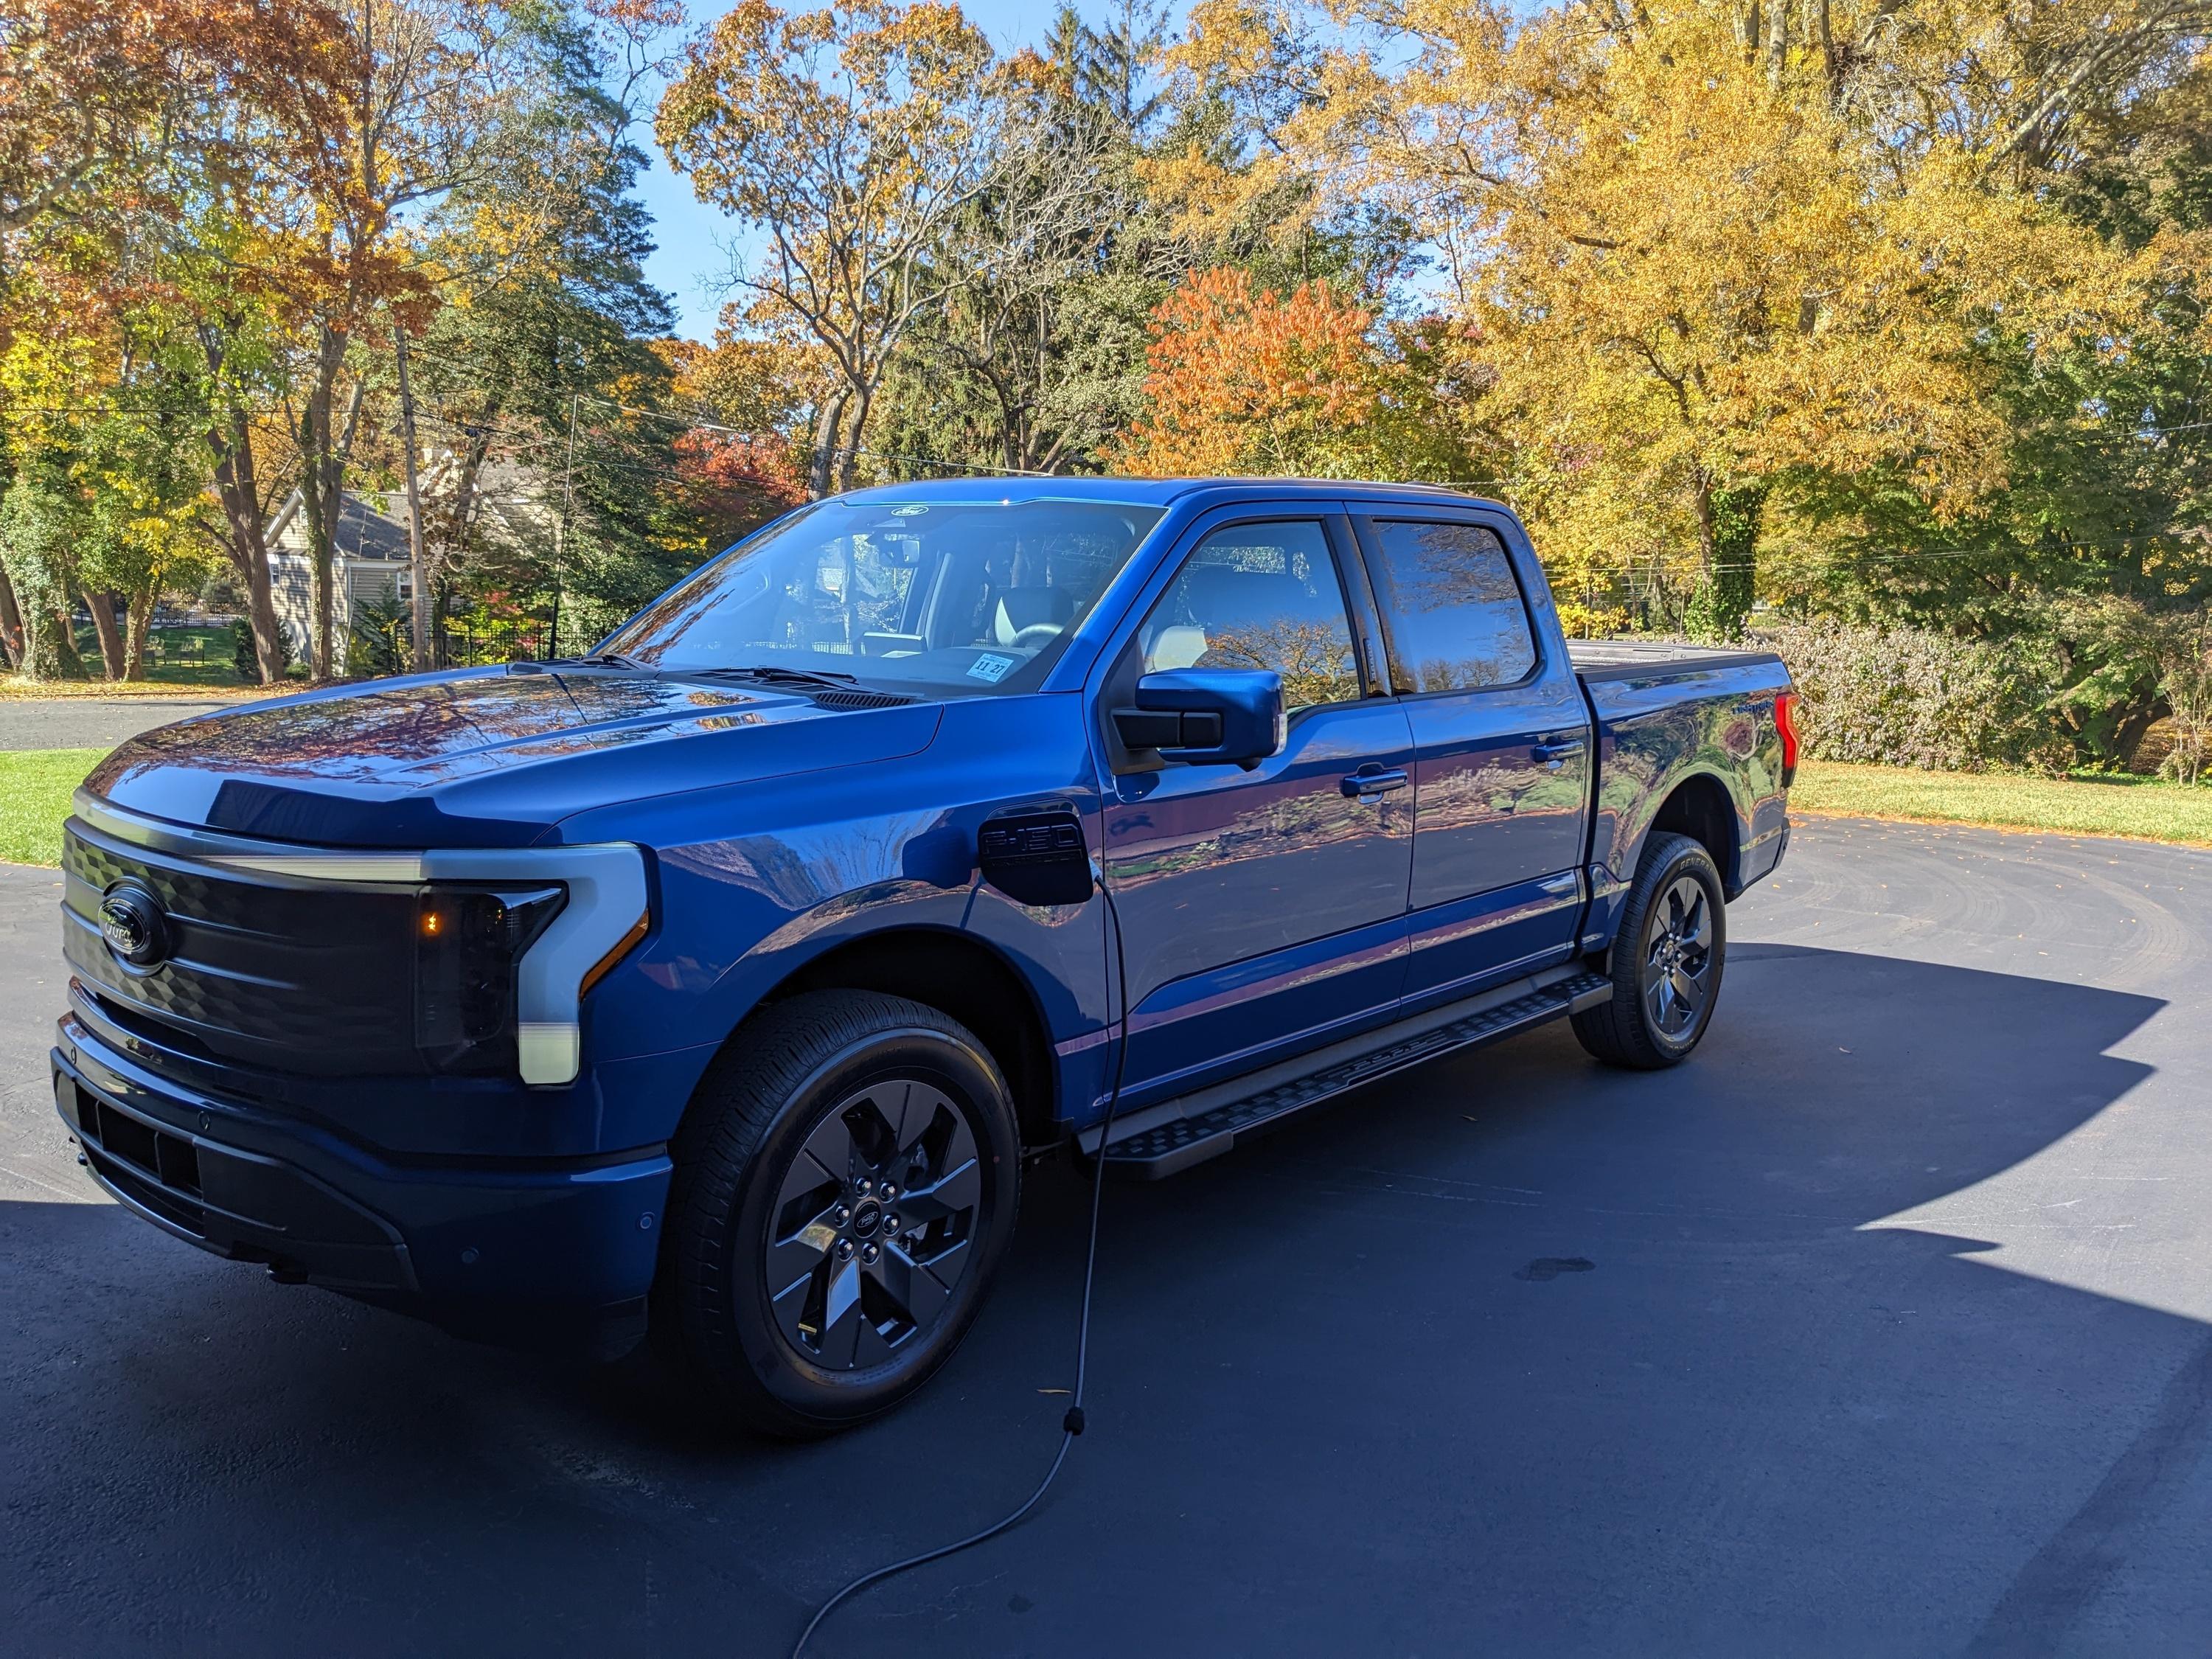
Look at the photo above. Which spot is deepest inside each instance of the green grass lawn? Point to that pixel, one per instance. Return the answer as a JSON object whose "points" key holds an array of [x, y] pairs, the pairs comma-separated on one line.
{"points": [[35, 787], [2142, 807], [177, 656]]}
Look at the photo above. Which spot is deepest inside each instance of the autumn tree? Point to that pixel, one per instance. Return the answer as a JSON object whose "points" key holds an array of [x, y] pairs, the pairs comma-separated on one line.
{"points": [[408, 112], [544, 331], [737, 464], [1244, 381], [851, 139], [1706, 257]]}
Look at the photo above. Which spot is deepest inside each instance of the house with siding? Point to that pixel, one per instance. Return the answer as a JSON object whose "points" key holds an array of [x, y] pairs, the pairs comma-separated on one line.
{"points": [[369, 564], [510, 514]]}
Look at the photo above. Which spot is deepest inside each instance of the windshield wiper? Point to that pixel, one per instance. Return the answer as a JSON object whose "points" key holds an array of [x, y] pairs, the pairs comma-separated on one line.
{"points": [[772, 674], [603, 659]]}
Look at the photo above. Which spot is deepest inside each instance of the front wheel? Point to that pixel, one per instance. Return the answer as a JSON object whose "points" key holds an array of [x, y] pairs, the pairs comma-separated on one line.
{"points": [[1667, 958], [845, 1188]]}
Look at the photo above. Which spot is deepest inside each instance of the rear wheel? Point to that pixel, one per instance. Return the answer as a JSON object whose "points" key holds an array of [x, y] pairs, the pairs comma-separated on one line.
{"points": [[1667, 959], [846, 1182]]}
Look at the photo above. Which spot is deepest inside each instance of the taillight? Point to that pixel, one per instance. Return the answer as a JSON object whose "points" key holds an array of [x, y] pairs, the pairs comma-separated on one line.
{"points": [[1785, 722]]}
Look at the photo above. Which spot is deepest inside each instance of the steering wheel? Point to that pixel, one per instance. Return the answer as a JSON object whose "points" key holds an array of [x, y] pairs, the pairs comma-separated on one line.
{"points": [[1037, 637]]}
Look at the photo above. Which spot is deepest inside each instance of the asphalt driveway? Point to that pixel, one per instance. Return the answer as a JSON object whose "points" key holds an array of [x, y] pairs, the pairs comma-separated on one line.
{"points": [[90, 722], [1885, 1326]]}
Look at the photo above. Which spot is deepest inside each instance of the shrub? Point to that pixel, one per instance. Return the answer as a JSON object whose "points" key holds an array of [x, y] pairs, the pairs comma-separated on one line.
{"points": [[1914, 697], [243, 657], [382, 637]]}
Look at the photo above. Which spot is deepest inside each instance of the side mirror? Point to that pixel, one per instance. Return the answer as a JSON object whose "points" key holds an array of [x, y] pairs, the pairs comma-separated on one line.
{"points": [[1207, 716]]}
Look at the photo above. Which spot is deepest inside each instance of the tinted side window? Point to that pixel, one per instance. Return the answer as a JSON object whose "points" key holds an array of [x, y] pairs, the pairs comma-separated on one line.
{"points": [[1259, 596], [1454, 611]]}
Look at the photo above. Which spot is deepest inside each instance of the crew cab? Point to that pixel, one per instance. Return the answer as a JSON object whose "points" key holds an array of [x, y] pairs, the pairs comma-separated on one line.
{"points": [[718, 986]]}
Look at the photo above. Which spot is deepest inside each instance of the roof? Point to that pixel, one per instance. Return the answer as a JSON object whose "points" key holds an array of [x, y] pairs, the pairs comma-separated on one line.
{"points": [[364, 531], [1143, 492]]}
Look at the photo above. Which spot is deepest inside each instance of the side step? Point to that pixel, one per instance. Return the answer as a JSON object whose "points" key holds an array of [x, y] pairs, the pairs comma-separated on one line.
{"points": [[1159, 1145]]}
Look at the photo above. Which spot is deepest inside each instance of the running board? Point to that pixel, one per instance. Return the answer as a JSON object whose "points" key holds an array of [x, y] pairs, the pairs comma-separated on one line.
{"points": [[1168, 1139]]}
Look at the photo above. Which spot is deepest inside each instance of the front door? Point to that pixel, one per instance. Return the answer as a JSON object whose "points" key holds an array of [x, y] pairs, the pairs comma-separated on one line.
{"points": [[1503, 744], [1262, 912]]}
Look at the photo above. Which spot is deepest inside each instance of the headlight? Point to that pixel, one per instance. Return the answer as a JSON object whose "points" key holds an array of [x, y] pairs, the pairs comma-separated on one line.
{"points": [[469, 946]]}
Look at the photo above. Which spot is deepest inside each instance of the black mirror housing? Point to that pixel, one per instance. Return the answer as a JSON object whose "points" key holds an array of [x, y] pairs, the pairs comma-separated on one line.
{"points": [[1217, 716]]}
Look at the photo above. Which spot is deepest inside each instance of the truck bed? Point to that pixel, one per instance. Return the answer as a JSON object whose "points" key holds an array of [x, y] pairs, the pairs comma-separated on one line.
{"points": [[1626, 659]]}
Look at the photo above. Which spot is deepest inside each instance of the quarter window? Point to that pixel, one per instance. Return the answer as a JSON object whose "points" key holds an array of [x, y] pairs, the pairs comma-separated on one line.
{"points": [[1260, 595], [1455, 613]]}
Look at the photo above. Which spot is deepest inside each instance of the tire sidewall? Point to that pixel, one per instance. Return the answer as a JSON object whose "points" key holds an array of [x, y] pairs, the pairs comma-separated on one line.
{"points": [[1692, 861], [969, 1080]]}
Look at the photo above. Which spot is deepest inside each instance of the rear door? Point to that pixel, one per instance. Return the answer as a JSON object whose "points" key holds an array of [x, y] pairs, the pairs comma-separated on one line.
{"points": [[1261, 912], [1502, 744]]}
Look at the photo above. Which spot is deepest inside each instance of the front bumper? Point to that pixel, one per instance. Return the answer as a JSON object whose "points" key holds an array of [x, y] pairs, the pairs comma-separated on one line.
{"points": [[539, 1252]]}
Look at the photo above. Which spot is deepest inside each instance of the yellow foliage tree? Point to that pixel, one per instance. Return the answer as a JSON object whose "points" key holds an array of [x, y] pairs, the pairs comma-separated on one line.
{"points": [[1702, 254]]}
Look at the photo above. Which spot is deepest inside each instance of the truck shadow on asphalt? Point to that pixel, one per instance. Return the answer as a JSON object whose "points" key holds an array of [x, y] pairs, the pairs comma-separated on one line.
{"points": [[1770, 1352]]}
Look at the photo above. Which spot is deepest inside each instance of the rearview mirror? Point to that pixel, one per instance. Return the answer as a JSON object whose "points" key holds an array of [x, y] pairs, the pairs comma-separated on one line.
{"points": [[1221, 716]]}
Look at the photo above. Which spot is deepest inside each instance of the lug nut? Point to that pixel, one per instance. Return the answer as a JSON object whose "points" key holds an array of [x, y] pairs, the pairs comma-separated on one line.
{"points": [[890, 1192], [844, 1250], [843, 1213], [863, 1184], [869, 1254], [891, 1224]]}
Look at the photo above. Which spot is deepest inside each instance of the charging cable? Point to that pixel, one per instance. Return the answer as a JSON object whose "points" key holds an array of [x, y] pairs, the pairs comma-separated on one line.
{"points": [[1070, 1425]]}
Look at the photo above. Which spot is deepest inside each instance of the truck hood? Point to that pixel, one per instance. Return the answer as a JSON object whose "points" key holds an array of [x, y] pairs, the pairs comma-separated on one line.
{"points": [[482, 756]]}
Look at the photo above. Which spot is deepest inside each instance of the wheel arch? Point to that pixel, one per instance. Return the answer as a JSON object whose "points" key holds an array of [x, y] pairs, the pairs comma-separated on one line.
{"points": [[1699, 805], [959, 975]]}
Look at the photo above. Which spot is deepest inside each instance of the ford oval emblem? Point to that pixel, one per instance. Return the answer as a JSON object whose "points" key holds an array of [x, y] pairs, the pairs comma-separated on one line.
{"points": [[131, 921]]}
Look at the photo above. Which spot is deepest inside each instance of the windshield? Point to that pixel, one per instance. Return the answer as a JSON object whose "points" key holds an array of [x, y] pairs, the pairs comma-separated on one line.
{"points": [[936, 598]]}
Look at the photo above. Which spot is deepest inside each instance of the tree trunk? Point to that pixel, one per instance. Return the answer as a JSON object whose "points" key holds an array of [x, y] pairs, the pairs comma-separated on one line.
{"points": [[849, 451], [245, 536], [315, 444], [141, 626], [418, 561], [246, 539], [1728, 522], [103, 606], [53, 652], [828, 422], [322, 487], [11, 624]]}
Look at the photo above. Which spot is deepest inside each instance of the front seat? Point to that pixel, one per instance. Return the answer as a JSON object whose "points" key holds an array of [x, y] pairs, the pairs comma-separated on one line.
{"points": [[1023, 608]]}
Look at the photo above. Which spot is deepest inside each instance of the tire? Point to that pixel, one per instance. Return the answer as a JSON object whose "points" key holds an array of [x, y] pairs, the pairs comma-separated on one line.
{"points": [[1664, 948], [796, 1297]]}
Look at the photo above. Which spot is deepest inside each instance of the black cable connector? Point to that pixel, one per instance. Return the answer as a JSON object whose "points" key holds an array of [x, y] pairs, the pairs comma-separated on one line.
{"points": [[1072, 1423]]}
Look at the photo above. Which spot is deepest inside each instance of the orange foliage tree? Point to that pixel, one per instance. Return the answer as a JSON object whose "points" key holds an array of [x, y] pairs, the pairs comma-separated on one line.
{"points": [[1241, 380]]}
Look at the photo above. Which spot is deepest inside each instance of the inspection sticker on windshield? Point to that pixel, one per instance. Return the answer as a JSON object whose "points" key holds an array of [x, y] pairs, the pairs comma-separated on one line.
{"points": [[991, 668]]}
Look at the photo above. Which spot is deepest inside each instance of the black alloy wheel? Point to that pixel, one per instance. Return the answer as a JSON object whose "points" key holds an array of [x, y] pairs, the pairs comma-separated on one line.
{"points": [[871, 1232], [1677, 968], [1670, 945], [845, 1187]]}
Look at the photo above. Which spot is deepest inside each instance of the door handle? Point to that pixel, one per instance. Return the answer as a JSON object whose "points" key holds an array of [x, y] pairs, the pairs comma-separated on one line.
{"points": [[1373, 779], [1551, 754]]}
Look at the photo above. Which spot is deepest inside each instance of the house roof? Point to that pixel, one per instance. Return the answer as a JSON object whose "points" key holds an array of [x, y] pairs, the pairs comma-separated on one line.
{"points": [[364, 530]]}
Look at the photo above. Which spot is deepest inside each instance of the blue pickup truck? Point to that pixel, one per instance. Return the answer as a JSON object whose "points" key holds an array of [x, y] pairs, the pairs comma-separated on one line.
{"points": [[718, 986]]}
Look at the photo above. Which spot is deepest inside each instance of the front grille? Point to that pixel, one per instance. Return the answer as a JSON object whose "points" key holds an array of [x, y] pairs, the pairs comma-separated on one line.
{"points": [[287, 977]]}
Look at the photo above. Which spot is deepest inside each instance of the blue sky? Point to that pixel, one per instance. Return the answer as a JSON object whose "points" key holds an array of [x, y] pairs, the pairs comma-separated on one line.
{"points": [[692, 263]]}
